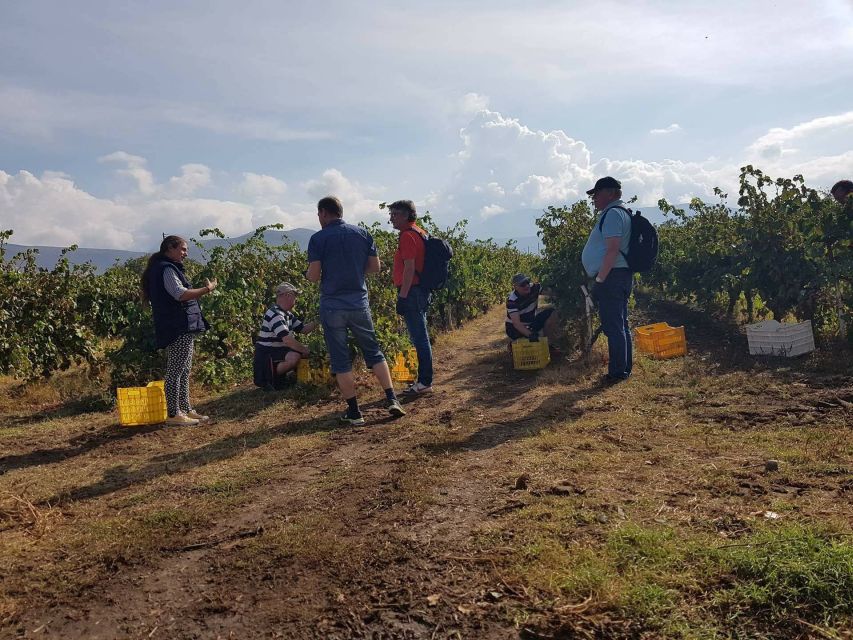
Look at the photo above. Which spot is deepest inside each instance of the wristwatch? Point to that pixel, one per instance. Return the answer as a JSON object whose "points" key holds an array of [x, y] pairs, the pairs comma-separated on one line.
{"points": [[599, 280]]}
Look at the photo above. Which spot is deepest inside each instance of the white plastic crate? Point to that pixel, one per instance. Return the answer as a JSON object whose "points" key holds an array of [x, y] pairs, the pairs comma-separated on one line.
{"points": [[772, 338]]}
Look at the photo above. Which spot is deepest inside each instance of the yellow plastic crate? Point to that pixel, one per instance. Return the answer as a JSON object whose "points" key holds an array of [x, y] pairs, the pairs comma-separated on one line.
{"points": [[528, 355], [142, 405], [661, 341], [306, 374], [405, 368]]}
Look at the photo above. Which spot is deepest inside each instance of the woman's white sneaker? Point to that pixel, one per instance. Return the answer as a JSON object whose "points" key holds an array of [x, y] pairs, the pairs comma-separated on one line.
{"points": [[181, 420], [195, 415]]}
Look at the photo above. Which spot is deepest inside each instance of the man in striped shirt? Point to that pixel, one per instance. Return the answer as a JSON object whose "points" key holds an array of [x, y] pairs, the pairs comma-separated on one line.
{"points": [[522, 321], [277, 350]]}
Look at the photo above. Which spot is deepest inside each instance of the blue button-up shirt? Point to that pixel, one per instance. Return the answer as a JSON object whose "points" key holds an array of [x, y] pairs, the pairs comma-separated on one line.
{"points": [[342, 250]]}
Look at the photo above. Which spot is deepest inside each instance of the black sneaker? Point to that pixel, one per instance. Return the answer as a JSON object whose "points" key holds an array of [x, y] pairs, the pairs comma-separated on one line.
{"points": [[609, 380], [352, 420], [395, 408]]}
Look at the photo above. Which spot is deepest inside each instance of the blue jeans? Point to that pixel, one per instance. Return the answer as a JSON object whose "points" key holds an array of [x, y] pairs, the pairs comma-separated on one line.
{"points": [[415, 314], [360, 323], [612, 297]]}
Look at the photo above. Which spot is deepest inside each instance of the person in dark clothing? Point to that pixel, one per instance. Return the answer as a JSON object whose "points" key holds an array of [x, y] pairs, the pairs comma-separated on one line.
{"points": [[523, 319], [413, 300], [841, 190], [604, 259], [177, 320], [339, 256], [277, 351]]}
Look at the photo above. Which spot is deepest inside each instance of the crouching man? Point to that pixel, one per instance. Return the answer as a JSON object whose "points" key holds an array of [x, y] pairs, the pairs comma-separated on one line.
{"points": [[523, 320], [277, 351]]}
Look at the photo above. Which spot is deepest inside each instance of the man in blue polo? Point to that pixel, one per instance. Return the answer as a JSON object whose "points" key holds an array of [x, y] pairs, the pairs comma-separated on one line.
{"points": [[339, 255], [603, 259]]}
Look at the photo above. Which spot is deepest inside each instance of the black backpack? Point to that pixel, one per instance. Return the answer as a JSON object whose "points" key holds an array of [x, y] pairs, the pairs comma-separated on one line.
{"points": [[643, 246], [437, 255]]}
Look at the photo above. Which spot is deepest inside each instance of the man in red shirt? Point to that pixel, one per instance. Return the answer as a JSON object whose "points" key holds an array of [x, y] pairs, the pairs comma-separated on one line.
{"points": [[412, 299]]}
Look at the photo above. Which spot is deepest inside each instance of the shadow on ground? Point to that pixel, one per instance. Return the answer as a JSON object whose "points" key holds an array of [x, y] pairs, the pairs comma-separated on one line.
{"points": [[494, 383], [76, 446], [725, 345], [557, 408], [95, 403], [121, 477], [242, 404], [248, 401]]}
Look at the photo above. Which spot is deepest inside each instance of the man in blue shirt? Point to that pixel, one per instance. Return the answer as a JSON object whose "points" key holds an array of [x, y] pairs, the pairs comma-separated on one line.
{"points": [[603, 259], [339, 255]]}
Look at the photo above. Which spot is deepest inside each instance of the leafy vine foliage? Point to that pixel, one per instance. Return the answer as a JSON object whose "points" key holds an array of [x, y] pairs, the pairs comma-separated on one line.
{"points": [[563, 232], [43, 326], [52, 319], [785, 247]]}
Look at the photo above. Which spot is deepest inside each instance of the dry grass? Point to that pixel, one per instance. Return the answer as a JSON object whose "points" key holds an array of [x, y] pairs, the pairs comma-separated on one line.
{"points": [[643, 510]]}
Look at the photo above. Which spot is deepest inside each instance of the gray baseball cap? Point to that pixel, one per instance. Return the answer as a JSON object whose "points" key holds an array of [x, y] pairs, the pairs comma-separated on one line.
{"points": [[285, 287], [518, 278]]}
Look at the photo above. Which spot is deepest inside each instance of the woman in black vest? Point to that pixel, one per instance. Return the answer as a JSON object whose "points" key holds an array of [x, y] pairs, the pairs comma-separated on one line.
{"points": [[177, 320]]}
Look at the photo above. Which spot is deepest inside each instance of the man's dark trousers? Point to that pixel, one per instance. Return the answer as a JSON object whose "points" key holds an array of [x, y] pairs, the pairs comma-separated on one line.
{"points": [[415, 315], [612, 297]]}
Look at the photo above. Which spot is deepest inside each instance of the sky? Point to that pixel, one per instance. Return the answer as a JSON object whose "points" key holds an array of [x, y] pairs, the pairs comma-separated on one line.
{"points": [[122, 121]]}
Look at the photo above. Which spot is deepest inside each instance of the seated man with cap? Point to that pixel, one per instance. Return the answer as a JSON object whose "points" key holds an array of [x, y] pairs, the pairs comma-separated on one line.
{"points": [[522, 319], [277, 351]]}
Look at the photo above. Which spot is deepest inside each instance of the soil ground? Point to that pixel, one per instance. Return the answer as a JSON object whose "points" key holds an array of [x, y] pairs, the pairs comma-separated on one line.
{"points": [[494, 509]]}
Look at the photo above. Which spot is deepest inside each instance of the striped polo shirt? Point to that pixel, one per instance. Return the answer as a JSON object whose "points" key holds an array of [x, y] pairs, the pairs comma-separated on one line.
{"points": [[277, 324], [525, 306]]}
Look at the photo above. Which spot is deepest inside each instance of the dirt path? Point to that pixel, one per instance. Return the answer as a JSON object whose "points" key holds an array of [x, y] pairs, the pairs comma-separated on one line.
{"points": [[401, 529], [198, 592]]}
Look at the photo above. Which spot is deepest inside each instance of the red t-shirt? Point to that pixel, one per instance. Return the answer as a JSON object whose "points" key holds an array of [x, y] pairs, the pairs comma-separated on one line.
{"points": [[409, 246]]}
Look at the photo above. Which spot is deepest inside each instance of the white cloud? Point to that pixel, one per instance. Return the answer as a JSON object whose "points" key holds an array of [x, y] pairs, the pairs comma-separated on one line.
{"points": [[666, 130], [491, 210], [361, 202], [474, 102], [135, 169], [501, 156], [52, 210], [505, 167], [262, 187], [193, 177], [776, 142], [190, 215]]}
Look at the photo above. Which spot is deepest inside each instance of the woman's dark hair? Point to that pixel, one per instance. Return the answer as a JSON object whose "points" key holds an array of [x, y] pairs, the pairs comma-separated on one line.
{"points": [[169, 242]]}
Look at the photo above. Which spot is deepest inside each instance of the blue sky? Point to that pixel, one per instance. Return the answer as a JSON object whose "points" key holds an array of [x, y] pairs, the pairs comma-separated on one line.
{"points": [[120, 121]]}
